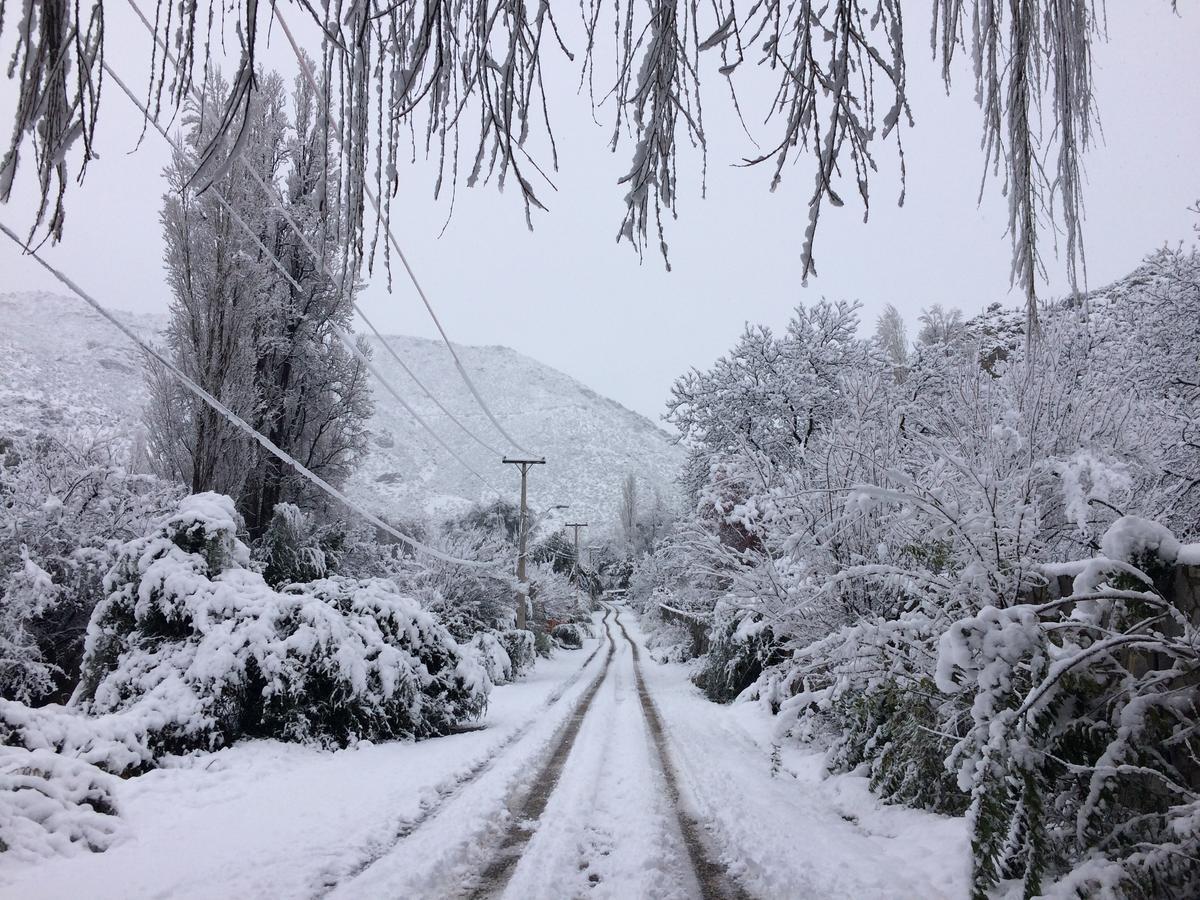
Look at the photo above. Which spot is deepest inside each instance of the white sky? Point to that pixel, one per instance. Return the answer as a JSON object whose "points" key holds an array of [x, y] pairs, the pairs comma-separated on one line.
{"points": [[569, 295]]}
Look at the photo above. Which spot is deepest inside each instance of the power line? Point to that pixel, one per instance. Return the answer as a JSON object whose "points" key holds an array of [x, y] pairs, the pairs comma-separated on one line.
{"points": [[395, 244], [341, 335], [217, 405], [371, 195], [413, 375]]}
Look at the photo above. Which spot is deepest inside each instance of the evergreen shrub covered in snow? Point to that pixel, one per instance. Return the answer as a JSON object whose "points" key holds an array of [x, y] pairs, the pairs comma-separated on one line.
{"points": [[293, 549], [493, 657], [894, 730], [1083, 757], [202, 650], [741, 649], [521, 649], [568, 635], [52, 805]]}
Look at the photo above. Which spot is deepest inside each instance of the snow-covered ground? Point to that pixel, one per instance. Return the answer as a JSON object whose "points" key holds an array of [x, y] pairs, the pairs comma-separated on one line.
{"points": [[429, 819], [798, 834]]}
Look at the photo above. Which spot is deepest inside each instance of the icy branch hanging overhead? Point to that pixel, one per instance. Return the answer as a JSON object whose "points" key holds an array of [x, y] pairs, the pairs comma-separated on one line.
{"points": [[56, 64], [466, 76], [1027, 55]]}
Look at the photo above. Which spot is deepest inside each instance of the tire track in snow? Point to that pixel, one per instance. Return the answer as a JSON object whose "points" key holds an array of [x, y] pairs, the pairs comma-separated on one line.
{"points": [[531, 804], [431, 807], [714, 881], [609, 830]]}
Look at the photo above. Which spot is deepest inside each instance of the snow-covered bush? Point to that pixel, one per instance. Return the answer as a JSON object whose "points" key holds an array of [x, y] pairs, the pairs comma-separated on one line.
{"points": [[555, 596], [52, 805], [126, 742], [521, 648], [895, 730], [491, 655], [1083, 757], [188, 630], [667, 642], [741, 649], [292, 549], [25, 672], [466, 600], [67, 500], [568, 635]]}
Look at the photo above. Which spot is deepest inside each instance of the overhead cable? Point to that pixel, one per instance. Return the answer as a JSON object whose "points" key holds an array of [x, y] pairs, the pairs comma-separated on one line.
{"points": [[277, 205], [236, 420], [371, 195]]}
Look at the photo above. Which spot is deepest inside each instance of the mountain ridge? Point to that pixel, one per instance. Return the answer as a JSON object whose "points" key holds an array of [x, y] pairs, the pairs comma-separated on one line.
{"points": [[83, 370]]}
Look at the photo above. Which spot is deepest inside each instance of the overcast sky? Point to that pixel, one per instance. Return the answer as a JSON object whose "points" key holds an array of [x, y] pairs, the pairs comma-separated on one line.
{"points": [[570, 296]]}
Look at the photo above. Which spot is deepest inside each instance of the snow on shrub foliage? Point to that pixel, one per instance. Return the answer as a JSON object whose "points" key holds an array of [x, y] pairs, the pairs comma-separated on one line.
{"points": [[67, 500], [1083, 747], [192, 650], [492, 656], [521, 648], [52, 805], [568, 635], [293, 549]]}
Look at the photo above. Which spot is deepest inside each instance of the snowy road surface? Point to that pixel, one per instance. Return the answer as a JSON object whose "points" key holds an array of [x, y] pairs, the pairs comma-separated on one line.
{"points": [[602, 775]]}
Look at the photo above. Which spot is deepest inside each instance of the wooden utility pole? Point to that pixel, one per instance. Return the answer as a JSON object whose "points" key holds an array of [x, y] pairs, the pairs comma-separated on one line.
{"points": [[578, 567], [576, 526], [523, 534]]}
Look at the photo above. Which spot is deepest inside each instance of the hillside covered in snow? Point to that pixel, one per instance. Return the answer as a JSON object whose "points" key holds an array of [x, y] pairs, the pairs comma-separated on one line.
{"points": [[59, 361]]}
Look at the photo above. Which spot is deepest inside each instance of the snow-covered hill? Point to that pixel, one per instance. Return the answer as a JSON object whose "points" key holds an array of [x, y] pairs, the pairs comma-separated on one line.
{"points": [[59, 361]]}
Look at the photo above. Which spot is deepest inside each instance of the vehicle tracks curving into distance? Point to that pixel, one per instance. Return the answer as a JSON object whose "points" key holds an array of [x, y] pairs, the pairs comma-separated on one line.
{"points": [[444, 795], [593, 807], [712, 881]]}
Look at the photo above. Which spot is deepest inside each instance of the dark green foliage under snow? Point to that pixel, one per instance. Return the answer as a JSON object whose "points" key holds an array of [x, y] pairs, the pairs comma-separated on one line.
{"points": [[193, 650], [740, 650], [568, 635], [896, 733]]}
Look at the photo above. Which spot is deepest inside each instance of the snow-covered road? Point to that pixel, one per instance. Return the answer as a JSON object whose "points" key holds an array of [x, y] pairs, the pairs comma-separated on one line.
{"points": [[603, 775]]}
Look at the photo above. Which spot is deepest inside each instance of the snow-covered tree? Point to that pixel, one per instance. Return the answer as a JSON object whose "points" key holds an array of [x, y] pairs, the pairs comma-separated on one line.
{"points": [[843, 522], [314, 399], [891, 337], [941, 326], [627, 514], [263, 338], [215, 283]]}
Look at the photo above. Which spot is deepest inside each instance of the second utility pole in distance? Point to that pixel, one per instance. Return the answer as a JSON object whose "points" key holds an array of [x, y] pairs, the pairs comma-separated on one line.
{"points": [[576, 526], [523, 533], [578, 564]]}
